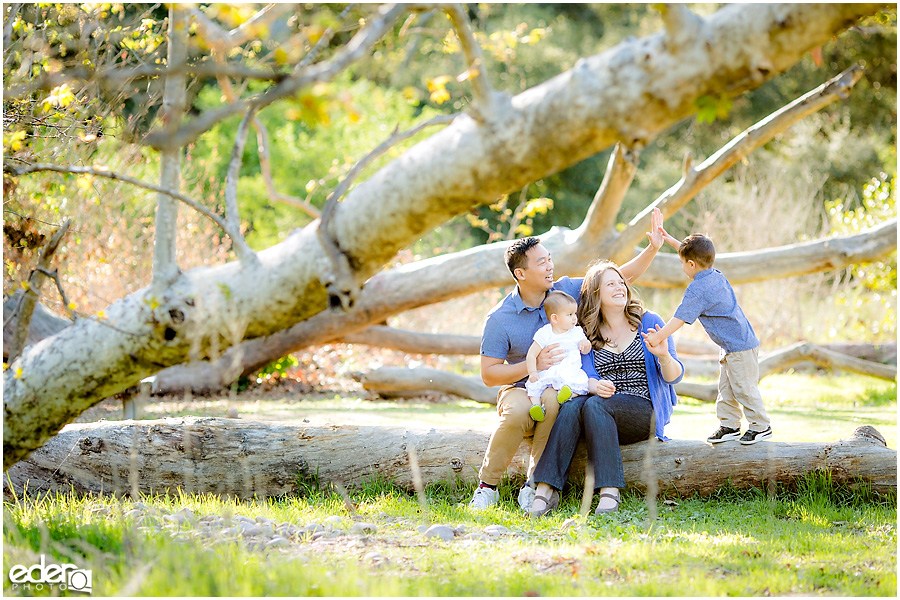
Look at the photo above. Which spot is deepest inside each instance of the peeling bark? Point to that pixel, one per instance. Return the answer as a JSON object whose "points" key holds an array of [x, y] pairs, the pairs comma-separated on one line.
{"points": [[224, 456]]}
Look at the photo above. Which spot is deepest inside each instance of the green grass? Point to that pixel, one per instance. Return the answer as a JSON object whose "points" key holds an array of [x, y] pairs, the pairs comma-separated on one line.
{"points": [[817, 539]]}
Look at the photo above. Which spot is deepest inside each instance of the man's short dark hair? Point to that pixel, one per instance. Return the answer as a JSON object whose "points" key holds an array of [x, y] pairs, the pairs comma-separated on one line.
{"points": [[515, 253], [698, 248]]}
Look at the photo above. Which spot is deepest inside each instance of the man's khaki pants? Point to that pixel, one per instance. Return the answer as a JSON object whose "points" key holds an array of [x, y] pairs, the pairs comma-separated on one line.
{"points": [[515, 425], [739, 387]]}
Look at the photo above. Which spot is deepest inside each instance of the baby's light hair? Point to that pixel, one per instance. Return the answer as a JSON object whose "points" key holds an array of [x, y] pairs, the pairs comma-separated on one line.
{"points": [[556, 301]]}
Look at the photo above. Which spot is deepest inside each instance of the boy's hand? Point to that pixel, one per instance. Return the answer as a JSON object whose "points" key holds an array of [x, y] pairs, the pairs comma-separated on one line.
{"points": [[584, 346], [652, 337], [671, 240], [532, 377]]}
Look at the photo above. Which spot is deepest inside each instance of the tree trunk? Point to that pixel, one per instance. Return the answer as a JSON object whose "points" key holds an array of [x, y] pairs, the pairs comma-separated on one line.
{"points": [[223, 456], [631, 92]]}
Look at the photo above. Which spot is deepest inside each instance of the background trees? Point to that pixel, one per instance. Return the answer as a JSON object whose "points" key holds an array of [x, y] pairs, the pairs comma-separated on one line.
{"points": [[86, 83]]}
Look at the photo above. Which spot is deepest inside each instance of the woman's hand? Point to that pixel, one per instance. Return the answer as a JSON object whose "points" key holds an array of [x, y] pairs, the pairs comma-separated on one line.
{"points": [[661, 349], [603, 388], [656, 233]]}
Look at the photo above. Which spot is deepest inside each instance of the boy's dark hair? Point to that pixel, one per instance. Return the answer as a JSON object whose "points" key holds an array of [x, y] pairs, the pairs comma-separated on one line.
{"points": [[515, 254], [556, 301], [698, 248]]}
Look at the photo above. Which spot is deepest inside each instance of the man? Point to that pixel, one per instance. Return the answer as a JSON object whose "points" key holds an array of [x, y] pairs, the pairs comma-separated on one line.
{"points": [[508, 333]]}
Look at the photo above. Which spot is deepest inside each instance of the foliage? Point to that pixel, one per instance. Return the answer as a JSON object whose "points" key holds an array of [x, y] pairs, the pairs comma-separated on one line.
{"points": [[874, 285]]}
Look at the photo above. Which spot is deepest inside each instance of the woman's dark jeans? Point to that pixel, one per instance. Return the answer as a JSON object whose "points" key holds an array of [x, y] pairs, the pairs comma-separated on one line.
{"points": [[605, 423]]}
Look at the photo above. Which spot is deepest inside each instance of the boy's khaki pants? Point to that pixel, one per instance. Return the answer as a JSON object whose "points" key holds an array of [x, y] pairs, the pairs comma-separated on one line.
{"points": [[515, 425], [739, 387]]}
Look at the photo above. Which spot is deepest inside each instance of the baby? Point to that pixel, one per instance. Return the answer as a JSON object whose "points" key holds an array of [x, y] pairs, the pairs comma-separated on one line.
{"points": [[566, 377]]}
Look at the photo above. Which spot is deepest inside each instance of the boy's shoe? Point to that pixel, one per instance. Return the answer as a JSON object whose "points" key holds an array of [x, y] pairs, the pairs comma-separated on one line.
{"points": [[536, 412], [751, 437], [484, 498], [564, 393], [526, 498], [724, 434]]}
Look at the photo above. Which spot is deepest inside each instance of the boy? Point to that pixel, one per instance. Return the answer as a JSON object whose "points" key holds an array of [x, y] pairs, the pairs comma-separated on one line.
{"points": [[710, 298]]}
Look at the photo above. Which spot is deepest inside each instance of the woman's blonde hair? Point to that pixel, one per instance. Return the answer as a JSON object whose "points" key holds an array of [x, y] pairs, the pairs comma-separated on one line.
{"points": [[589, 314]]}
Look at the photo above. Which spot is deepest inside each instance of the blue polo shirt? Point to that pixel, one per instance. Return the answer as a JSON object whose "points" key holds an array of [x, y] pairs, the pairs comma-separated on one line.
{"points": [[711, 298], [510, 326]]}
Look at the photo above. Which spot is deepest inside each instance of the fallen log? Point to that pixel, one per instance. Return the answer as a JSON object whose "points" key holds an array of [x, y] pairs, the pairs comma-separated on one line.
{"points": [[802, 352], [225, 456], [388, 380]]}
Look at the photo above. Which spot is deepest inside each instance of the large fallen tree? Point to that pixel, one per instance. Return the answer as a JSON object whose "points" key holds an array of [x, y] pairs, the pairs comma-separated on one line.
{"points": [[628, 95], [386, 381], [222, 456]]}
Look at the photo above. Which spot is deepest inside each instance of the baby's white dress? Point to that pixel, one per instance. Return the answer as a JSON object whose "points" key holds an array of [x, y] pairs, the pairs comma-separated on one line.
{"points": [[569, 371]]}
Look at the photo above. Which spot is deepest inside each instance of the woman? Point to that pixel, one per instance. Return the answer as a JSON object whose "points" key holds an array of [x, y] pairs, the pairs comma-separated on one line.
{"points": [[633, 399]]}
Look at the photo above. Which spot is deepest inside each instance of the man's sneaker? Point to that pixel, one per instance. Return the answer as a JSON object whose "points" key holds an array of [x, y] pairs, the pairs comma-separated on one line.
{"points": [[526, 498], [484, 498], [724, 434], [536, 412], [564, 394], [751, 437]]}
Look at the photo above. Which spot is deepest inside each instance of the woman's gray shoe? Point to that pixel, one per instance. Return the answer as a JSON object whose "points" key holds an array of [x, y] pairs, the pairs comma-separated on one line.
{"points": [[550, 504], [600, 511]]}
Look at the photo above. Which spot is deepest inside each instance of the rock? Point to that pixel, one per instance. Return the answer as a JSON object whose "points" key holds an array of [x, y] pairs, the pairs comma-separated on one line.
{"points": [[139, 506], [133, 514], [497, 530], [569, 523], [366, 528], [264, 520], [459, 530], [311, 529], [334, 522], [232, 413], [278, 542], [257, 530], [243, 519], [440, 531], [422, 528], [185, 515], [375, 558], [478, 537]]}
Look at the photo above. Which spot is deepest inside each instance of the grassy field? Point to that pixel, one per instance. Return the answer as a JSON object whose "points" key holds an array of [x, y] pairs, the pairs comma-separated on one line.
{"points": [[814, 539]]}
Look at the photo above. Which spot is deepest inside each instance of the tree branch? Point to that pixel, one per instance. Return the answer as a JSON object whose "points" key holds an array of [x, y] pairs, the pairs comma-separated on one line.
{"points": [[165, 244], [342, 286], [484, 108], [355, 49], [600, 220], [114, 176], [232, 214], [32, 290], [738, 148]]}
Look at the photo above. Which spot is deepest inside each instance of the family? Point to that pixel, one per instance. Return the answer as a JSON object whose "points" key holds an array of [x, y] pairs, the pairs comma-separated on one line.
{"points": [[581, 358]]}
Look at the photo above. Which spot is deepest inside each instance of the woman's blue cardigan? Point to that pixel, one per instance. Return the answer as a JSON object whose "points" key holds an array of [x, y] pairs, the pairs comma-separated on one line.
{"points": [[662, 392]]}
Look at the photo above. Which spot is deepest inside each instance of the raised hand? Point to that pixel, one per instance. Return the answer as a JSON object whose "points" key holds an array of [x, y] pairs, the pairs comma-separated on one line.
{"points": [[656, 229]]}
